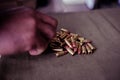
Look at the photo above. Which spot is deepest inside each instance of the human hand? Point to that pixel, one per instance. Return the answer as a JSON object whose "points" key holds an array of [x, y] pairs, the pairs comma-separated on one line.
{"points": [[24, 29]]}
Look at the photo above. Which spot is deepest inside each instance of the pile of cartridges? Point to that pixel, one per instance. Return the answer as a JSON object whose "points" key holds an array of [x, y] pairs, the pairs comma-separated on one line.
{"points": [[66, 42]]}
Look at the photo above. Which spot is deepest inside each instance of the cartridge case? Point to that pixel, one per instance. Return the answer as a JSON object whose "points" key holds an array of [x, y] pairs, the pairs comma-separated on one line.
{"points": [[88, 49], [75, 36], [79, 49], [68, 36], [72, 39], [62, 44], [60, 49], [84, 50], [56, 39], [73, 42], [91, 46], [57, 34], [52, 45], [63, 35], [87, 41], [81, 43], [64, 30], [68, 43], [70, 50], [75, 49], [81, 39], [61, 53]]}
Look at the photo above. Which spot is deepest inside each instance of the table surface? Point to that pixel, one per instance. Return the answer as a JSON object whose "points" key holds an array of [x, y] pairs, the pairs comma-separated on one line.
{"points": [[100, 26]]}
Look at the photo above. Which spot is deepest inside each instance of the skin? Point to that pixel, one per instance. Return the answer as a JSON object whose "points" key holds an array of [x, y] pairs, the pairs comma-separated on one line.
{"points": [[24, 29]]}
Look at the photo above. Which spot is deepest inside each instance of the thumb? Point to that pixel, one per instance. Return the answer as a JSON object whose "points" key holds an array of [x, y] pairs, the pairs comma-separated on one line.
{"points": [[35, 52], [38, 49]]}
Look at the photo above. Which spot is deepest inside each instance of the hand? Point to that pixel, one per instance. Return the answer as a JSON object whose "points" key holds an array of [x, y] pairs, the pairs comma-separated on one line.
{"points": [[24, 29]]}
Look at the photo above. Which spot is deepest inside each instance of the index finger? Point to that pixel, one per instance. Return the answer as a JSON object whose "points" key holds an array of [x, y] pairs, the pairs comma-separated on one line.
{"points": [[47, 19]]}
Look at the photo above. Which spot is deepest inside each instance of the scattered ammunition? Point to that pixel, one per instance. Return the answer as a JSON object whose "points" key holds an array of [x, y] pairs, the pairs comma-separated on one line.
{"points": [[70, 50], [91, 46], [84, 50], [66, 42], [61, 53], [88, 49], [60, 49]]}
